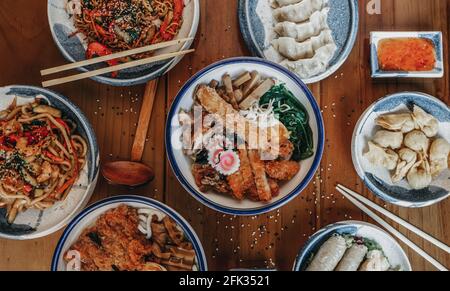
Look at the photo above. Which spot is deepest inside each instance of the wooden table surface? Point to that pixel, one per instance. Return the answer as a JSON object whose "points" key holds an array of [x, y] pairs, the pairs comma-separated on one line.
{"points": [[270, 240]]}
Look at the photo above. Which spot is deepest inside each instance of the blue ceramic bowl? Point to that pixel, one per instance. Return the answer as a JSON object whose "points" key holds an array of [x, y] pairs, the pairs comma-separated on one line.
{"points": [[392, 250], [378, 180], [74, 47], [343, 20], [182, 164], [88, 217], [33, 224]]}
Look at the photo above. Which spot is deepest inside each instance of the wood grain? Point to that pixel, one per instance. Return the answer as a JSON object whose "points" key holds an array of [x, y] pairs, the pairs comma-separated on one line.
{"points": [[270, 240]]}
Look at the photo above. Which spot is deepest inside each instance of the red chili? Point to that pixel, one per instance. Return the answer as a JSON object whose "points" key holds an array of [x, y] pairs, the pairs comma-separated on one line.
{"points": [[27, 188], [177, 14], [53, 157]]}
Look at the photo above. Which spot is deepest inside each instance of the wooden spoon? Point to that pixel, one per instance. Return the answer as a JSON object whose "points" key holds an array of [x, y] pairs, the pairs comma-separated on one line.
{"points": [[134, 173]]}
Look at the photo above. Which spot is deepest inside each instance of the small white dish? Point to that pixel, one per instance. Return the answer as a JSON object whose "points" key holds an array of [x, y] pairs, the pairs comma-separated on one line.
{"points": [[434, 37], [378, 180], [392, 250]]}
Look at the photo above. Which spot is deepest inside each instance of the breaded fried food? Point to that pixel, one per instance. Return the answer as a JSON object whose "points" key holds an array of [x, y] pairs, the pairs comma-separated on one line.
{"points": [[286, 150], [274, 187], [242, 181], [282, 170], [207, 178], [262, 184]]}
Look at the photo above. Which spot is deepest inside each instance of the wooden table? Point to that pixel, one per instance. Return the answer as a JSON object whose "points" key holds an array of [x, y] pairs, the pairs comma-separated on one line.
{"points": [[270, 240]]}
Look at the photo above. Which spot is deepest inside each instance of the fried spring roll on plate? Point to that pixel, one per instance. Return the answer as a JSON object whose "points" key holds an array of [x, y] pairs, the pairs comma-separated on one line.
{"points": [[329, 255], [352, 259]]}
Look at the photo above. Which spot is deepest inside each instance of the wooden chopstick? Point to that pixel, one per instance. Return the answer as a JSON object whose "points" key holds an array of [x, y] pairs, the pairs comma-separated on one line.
{"points": [[113, 56], [397, 219], [114, 68], [393, 231]]}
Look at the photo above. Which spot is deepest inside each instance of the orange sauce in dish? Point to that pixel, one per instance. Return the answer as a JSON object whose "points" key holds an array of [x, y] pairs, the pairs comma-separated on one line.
{"points": [[406, 54]]}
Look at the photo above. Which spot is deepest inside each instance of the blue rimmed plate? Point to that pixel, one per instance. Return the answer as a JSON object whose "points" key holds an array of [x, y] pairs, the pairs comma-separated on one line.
{"points": [[88, 217], [392, 250], [343, 20], [32, 223], [378, 180], [74, 47], [434, 36], [181, 164]]}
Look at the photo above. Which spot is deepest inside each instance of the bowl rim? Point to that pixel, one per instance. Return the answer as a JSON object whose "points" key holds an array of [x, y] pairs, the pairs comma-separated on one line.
{"points": [[346, 49], [95, 156], [167, 66], [356, 164], [271, 206], [335, 226], [187, 228]]}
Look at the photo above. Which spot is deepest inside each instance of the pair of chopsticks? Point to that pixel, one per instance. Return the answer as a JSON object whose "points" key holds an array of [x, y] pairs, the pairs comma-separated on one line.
{"points": [[359, 202], [112, 57]]}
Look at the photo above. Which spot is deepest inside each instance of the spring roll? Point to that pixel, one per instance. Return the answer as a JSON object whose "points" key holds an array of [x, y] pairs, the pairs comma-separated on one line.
{"points": [[329, 255], [375, 262], [352, 259]]}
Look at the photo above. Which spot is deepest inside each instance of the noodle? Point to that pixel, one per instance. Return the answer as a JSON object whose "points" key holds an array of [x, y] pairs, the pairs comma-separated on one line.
{"points": [[40, 158], [126, 24]]}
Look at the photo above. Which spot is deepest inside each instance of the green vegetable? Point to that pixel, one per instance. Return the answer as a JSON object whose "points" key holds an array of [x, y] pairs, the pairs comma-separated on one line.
{"points": [[294, 116]]}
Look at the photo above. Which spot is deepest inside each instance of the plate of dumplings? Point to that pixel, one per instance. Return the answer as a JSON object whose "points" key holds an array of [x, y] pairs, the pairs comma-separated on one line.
{"points": [[401, 148], [311, 38]]}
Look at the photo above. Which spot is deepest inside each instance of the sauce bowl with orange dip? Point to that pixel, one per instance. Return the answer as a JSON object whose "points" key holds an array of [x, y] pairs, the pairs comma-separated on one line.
{"points": [[407, 55]]}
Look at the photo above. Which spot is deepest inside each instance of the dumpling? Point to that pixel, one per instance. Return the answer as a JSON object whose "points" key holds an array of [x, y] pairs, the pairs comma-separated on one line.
{"points": [[389, 139], [311, 67], [425, 122], [417, 141], [407, 160], [293, 50], [419, 177], [397, 122], [439, 154], [299, 12], [281, 3], [380, 157], [304, 31]]}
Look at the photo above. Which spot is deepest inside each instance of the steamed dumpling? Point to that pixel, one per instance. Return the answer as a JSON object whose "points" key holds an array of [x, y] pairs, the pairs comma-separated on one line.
{"points": [[299, 12], [425, 122], [419, 177], [397, 122], [439, 154], [375, 261], [307, 68], [389, 139], [304, 31], [293, 50], [417, 141], [407, 160], [281, 3], [380, 157]]}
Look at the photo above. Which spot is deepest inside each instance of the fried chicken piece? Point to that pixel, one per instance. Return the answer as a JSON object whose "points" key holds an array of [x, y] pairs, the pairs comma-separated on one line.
{"points": [[242, 181], [207, 178], [262, 184], [286, 150], [274, 187], [282, 170]]}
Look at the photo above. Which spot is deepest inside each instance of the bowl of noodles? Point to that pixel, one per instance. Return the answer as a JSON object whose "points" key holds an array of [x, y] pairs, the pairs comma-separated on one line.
{"points": [[48, 162], [85, 29]]}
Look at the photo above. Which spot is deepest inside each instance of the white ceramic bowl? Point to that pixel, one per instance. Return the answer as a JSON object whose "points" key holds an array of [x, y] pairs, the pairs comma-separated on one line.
{"points": [[181, 164], [89, 216], [378, 180], [32, 223], [392, 250], [74, 48]]}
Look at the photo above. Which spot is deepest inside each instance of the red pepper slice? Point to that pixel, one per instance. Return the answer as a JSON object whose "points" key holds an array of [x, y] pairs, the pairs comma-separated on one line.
{"points": [[53, 157], [177, 14], [97, 49], [27, 188]]}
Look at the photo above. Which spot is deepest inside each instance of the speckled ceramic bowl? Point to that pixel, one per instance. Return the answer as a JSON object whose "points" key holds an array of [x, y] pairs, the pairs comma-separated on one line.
{"points": [[343, 20], [74, 48], [378, 180], [88, 217], [33, 224], [393, 251], [182, 164]]}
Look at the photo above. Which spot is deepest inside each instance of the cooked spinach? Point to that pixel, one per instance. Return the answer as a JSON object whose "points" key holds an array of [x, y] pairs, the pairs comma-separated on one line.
{"points": [[294, 116]]}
